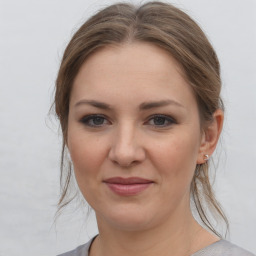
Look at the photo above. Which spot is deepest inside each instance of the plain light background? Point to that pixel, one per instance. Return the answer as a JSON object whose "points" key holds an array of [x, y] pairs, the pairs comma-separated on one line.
{"points": [[33, 35]]}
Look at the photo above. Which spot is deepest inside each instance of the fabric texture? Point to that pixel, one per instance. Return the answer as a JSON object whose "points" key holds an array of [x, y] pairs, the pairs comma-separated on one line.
{"points": [[219, 248]]}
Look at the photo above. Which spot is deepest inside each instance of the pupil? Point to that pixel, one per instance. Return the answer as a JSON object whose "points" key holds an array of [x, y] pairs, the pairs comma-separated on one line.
{"points": [[159, 120], [98, 120]]}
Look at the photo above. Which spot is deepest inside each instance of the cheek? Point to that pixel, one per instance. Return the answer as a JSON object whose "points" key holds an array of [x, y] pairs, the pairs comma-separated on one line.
{"points": [[176, 157], [86, 153]]}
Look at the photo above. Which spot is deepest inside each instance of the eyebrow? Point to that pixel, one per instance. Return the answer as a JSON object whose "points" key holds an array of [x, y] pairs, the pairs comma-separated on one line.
{"points": [[142, 106], [156, 104], [94, 103]]}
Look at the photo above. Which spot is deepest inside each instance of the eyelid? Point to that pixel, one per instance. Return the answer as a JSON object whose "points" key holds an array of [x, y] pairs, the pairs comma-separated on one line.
{"points": [[170, 119], [85, 120]]}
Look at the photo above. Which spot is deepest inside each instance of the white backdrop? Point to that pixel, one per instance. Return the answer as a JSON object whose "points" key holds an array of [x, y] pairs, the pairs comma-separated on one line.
{"points": [[33, 35]]}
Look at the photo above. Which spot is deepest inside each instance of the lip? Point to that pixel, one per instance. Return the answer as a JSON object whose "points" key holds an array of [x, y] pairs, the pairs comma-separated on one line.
{"points": [[128, 186]]}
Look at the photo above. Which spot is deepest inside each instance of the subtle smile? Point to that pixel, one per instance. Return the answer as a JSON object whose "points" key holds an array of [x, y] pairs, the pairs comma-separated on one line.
{"points": [[127, 186]]}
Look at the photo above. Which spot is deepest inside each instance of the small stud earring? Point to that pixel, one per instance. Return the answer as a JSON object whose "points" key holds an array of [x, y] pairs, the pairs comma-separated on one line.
{"points": [[206, 157]]}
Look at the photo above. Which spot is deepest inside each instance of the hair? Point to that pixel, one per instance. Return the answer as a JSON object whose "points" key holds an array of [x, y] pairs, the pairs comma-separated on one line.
{"points": [[169, 28]]}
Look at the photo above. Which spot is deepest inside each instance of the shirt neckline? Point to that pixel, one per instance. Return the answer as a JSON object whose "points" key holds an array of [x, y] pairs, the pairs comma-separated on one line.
{"points": [[194, 254]]}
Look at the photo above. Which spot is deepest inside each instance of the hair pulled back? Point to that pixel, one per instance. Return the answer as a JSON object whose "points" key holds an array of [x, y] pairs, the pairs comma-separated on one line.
{"points": [[169, 28]]}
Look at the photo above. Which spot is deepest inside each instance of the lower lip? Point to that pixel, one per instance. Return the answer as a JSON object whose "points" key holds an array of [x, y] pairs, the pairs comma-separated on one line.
{"points": [[128, 189]]}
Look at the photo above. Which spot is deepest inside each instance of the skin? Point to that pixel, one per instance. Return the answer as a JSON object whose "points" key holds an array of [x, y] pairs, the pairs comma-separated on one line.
{"points": [[127, 141]]}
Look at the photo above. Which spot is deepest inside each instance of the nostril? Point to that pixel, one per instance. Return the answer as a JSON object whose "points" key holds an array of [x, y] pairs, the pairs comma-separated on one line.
{"points": [[126, 147], [126, 158], [124, 162]]}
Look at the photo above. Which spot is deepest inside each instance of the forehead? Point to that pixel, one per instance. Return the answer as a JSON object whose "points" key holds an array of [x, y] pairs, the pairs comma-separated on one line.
{"points": [[131, 70], [136, 58]]}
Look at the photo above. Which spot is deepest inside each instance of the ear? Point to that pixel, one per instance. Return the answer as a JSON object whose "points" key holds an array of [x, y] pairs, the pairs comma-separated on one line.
{"points": [[210, 136]]}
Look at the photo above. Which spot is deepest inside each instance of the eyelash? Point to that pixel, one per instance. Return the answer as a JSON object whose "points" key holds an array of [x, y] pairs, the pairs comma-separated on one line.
{"points": [[169, 119], [87, 119]]}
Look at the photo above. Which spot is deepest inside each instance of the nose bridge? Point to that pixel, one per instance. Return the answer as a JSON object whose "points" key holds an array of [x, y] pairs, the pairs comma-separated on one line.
{"points": [[125, 140], [126, 147]]}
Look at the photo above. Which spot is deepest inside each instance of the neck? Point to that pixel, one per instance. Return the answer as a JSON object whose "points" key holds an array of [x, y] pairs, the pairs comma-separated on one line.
{"points": [[182, 237]]}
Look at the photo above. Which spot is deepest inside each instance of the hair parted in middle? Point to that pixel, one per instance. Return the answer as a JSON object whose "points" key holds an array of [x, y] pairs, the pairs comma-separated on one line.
{"points": [[171, 29]]}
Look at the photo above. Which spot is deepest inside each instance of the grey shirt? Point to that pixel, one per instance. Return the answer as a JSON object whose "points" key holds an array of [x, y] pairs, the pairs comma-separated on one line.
{"points": [[219, 248]]}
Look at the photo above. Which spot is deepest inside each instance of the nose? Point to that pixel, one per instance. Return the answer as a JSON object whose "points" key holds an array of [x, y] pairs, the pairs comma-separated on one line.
{"points": [[126, 147]]}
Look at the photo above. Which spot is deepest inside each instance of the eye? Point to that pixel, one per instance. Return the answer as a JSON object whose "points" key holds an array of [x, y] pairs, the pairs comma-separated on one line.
{"points": [[94, 120], [161, 120]]}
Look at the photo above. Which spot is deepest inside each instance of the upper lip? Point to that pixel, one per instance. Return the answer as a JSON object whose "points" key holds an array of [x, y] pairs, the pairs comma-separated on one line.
{"points": [[127, 181]]}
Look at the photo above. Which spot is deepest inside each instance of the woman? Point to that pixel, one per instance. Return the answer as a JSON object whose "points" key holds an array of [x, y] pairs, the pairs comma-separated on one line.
{"points": [[138, 98]]}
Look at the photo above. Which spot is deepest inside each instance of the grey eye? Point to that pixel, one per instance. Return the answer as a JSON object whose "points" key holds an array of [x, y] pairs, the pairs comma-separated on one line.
{"points": [[161, 121], [97, 120], [94, 120]]}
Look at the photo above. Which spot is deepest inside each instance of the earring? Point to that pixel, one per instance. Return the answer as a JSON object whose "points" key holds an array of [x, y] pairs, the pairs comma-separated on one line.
{"points": [[206, 157]]}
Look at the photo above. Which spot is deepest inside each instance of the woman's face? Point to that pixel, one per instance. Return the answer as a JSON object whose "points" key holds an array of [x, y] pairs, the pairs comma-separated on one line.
{"points": [[134, 136]]}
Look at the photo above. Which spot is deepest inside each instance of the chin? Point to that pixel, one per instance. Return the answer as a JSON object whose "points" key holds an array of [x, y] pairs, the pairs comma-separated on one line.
{"points": [[132, 224], [127, 219]]}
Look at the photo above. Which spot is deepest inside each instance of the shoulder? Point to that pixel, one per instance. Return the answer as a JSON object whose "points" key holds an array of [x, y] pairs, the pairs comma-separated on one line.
{"points": [[219, 248], [223, 247], [81, 250]]}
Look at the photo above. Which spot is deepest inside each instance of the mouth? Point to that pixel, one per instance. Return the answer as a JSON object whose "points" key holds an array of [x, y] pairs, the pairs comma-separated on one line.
{"points": [[128, 186]]}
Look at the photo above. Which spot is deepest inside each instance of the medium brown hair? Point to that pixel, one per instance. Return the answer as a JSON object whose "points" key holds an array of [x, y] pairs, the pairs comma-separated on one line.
{"points": [[171, 29]]}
